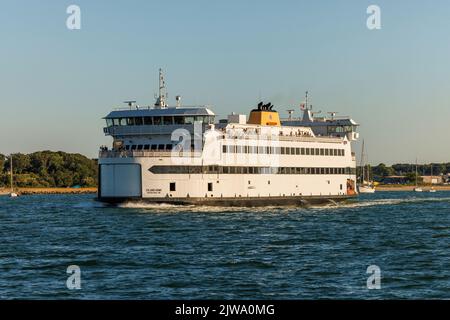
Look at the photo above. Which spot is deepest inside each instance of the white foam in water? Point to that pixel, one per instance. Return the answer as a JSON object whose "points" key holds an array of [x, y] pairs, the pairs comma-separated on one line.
{"points": [[194, 208], [386, 202], [170, 208]]}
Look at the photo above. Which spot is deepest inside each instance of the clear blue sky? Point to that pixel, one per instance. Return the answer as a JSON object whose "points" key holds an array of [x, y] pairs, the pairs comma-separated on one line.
{"points": [[57, 84]]}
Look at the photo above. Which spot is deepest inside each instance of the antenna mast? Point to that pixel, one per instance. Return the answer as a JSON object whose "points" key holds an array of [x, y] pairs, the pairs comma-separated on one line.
{"points": [[162, 94]]}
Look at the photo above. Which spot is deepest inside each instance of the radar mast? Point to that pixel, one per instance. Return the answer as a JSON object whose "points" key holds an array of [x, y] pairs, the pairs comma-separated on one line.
{"points": [[162, 94]]}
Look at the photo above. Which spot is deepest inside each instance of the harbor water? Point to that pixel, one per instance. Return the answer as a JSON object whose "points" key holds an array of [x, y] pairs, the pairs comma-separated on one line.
{"points": [[140, 251]]}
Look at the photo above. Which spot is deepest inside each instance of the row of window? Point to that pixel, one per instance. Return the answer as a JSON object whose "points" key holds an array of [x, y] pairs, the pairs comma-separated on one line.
{"points": [[284, 150], [247, 170], [159, 120], [151, 147]]}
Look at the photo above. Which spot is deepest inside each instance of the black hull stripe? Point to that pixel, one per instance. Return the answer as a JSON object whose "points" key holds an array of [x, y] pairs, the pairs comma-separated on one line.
{"points": [[236, 202]]}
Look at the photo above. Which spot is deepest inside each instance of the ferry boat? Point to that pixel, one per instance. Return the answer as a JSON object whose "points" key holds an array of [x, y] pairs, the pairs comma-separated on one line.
{"points": [[182, 155]]}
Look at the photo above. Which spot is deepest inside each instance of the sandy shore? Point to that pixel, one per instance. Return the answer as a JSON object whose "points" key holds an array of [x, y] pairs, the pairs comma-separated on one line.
{"points": [[410, 188], [28, 191]]}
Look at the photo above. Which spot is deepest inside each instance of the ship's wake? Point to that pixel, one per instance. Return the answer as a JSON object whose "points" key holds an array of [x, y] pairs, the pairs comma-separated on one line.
{"points": [[360, 203], [352, 204]]}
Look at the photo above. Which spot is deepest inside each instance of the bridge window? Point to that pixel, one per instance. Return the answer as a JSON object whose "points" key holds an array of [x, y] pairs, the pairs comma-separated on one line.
{"points": [[169, 147], [146, 147], [109, 122], [157, 121], [167, 120], [154, 147], [160, 147], [123, 121], [199, 119], [178, 120], [133, 147], [188, 120], [130, 121], [138, 121]]}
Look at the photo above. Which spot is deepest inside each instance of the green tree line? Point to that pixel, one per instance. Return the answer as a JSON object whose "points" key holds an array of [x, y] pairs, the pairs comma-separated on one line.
{"points": [[407, 170], [49, 169]]}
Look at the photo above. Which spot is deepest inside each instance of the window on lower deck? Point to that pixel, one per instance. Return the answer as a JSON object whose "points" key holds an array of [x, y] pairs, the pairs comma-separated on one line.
{"points": [[172, 186], [148, 121], [210, 186], [139, 147]]}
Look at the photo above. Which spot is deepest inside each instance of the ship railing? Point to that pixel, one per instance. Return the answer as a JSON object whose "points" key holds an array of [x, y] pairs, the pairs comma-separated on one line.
{"points": [[285, 138], [146, 154]]}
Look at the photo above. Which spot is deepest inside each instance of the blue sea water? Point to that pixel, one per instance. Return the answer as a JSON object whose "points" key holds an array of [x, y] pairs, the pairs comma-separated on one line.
{"points": [[141, 251]]}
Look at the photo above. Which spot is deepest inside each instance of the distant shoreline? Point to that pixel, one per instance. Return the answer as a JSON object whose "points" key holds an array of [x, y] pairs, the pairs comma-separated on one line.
{"points": [[410, 188], [31, 191], [37, 191]]}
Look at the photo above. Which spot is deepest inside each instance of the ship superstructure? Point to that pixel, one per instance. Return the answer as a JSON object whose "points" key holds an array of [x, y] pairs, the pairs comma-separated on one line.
{"points": [[182, 155]]}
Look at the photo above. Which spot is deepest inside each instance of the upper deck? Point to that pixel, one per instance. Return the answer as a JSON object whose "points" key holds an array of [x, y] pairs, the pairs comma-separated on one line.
{"points": [[148, 120]]}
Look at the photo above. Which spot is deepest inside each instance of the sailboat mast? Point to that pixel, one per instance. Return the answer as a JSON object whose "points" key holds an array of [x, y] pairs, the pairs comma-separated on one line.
{"points": [[431, 174], [362, 163], [416, 173]]}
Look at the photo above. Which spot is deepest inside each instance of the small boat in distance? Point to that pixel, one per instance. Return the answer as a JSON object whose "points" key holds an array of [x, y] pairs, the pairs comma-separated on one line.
{"points": [[365, 186], [417, 188], [12, 194]]}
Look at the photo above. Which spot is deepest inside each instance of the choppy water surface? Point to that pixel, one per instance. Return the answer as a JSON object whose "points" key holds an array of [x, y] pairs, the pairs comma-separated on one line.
{"points": [[139, 251]]}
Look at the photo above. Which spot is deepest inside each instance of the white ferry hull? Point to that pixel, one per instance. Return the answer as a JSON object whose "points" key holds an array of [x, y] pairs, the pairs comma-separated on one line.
{"points": [[132, 179]]}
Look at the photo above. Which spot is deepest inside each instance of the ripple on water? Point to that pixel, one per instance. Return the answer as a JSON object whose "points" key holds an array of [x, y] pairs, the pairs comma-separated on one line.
{"points": [[141, 251]]}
